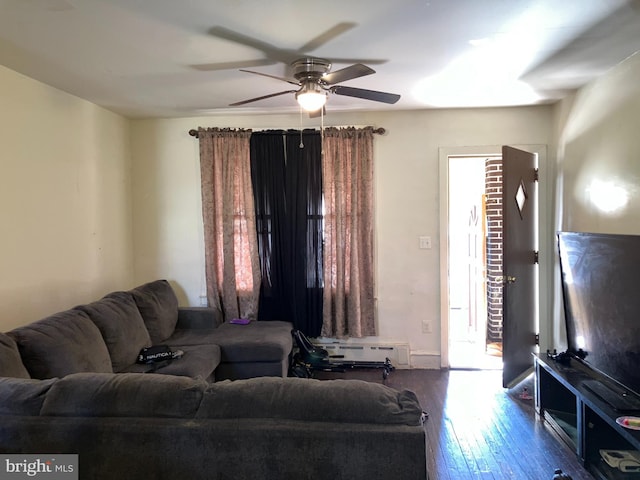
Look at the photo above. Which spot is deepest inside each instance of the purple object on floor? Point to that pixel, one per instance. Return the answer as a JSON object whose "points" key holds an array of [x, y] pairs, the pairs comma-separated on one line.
{"points": [[240, 321]]}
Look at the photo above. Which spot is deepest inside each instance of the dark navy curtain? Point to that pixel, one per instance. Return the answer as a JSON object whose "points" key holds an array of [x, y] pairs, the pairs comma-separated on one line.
{"points": [[286, 173]]}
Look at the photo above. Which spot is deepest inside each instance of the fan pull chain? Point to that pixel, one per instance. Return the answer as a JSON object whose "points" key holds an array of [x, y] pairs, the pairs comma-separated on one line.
{"points": [[301, 142], [322, 132]]}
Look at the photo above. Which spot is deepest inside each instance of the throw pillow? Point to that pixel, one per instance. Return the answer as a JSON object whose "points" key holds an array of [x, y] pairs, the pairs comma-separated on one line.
{"points": [[124, 395], [63, 343], [158, 306], [121, 326], [345, 401]]}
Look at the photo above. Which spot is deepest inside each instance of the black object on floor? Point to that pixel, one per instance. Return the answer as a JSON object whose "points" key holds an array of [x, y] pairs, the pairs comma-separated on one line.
{"points": [[311, 358], [558, 475]]}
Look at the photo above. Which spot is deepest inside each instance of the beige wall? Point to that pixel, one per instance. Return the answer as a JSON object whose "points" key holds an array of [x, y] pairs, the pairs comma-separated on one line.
{"points": [[65, 202], [167, 209], [599, 145]]}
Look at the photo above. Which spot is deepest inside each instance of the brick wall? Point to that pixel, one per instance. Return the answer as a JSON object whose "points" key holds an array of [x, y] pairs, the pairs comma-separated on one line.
{"points": [[493, 190]]}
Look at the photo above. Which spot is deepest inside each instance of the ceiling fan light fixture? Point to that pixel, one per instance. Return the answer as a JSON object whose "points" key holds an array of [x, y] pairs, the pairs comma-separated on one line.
{"points": [[311, 97]]}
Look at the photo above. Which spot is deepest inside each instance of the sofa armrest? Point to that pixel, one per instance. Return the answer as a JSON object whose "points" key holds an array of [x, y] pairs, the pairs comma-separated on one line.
{"points": [[198, 317]]}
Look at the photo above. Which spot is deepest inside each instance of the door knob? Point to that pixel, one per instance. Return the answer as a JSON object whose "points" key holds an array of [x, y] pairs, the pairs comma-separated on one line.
{"points": [[506, 279]]}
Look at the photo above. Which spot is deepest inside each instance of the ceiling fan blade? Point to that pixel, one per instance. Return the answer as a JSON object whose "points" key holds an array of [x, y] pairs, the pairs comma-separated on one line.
{"points": [[327, 36], [243, 102], [366, 61], [288, 80], [383, 97], [269, 50], [354, 71], [210, 67]]}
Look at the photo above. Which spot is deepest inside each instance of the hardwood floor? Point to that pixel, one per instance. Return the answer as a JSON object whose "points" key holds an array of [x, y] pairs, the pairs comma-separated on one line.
{"points": [[478, 430]]}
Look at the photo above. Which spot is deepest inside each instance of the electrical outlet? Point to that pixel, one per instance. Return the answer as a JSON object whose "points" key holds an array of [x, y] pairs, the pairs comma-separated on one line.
{"points": [[426, 326], [203, 301]]}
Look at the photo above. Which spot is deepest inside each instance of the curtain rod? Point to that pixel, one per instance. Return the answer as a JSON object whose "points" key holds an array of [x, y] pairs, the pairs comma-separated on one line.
{"points": [[379, 131]]}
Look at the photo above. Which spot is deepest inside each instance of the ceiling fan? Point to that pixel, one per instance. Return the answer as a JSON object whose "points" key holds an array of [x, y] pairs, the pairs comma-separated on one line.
{"points": [[312, 76], [315, 80]]}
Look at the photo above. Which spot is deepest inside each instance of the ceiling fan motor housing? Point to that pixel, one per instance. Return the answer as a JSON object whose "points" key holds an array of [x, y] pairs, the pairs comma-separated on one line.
{"points": [[310, 68]]}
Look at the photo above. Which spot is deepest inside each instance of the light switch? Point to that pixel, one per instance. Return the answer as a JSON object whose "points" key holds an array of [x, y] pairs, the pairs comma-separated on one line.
{"points": [[425, 243]]}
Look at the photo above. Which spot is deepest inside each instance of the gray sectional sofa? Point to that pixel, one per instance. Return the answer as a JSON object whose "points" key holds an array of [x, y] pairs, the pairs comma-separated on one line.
{"points": [[106, 336], [152, 426], [69, 384]]}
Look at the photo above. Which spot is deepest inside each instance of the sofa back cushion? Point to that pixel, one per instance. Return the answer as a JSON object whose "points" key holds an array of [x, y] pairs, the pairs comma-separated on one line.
{"points": [[158, 306], [345, 401], [124, 395], [64, 343], [10, 362], [23, 396], [121, 326]]}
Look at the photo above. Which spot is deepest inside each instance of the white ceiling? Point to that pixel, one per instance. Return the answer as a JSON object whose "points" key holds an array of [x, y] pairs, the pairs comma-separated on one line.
{"points": [[168, 58]]}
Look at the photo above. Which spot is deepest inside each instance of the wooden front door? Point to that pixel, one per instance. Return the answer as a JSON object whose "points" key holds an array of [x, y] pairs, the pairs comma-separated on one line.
{"points": [[519, 302]]}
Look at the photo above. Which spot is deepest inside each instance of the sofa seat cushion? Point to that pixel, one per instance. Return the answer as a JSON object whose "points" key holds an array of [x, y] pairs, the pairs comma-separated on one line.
{"points": [[192, 336], [121, 325], [124, 395], [198, 361], [346, 401], [63, 343], [23, 396], [255, 342], [10, 362], [158, 306]]}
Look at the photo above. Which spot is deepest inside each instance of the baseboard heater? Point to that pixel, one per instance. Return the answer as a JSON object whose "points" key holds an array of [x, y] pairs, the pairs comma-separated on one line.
{"points": [[397, 353]]}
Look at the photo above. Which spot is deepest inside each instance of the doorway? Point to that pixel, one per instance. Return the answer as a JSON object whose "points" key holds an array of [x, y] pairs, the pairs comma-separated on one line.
{"points": [[475, 261], [546, 306]]}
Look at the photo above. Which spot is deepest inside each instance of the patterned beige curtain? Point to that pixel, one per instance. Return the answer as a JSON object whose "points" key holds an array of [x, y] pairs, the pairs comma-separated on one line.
{"points": [[231, 250], [347, 170]]}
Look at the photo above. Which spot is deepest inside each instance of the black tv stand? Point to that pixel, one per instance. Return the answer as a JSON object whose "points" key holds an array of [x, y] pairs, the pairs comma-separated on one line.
{"points": [[582, 418], [621, 401]]}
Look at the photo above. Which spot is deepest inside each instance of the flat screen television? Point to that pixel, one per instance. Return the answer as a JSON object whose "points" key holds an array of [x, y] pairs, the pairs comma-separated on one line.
{"points": [[601, 291]]}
